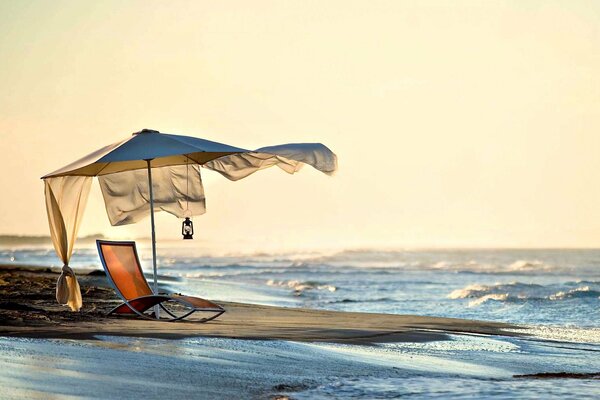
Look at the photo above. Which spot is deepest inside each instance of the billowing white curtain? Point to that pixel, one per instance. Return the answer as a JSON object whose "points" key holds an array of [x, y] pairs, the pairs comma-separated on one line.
{"points": [[66, 198], [289, 157], [177, 190]]}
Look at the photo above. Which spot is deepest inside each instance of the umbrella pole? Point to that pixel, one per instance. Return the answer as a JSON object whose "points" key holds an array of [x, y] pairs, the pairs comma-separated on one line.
{"points": [[156, 307]]}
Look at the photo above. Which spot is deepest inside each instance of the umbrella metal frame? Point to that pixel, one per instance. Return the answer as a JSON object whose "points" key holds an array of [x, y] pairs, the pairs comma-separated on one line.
{"points": [[155, 283]]}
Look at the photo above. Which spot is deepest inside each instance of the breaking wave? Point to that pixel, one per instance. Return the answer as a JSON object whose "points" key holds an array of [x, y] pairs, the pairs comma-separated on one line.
{"points": [[520, 292], [476, 290], [524, 265], [579, 293], [300, 287]]}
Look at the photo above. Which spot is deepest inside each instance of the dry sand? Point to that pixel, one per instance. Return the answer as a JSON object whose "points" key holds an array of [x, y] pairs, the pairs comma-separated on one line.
{"points": [[28, 309]]}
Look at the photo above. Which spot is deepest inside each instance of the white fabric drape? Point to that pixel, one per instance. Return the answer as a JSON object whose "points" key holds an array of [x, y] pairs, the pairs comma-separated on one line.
{"points": [[177, 190], [177, 184], [66, 198], [289, 157]]}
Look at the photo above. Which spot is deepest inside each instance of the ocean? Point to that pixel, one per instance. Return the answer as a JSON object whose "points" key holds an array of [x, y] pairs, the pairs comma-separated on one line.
{"points": [[555, 293]]}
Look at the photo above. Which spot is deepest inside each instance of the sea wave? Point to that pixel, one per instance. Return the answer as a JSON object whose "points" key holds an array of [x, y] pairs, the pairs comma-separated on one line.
{"points": [[301, 286], [580, 292], [527, 265], [488, 297], [478, 290], [519, 292]]}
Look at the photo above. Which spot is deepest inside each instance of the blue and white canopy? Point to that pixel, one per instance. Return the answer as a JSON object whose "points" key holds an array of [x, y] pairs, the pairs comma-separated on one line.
{"points": [[168, 150]]}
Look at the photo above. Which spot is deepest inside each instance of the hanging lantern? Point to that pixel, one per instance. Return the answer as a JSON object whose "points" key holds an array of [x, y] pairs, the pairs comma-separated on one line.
{"points": [[187, 228]]}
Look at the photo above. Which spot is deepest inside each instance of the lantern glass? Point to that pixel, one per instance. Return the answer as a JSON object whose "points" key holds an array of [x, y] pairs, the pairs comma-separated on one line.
{"points": [[187, 228]]}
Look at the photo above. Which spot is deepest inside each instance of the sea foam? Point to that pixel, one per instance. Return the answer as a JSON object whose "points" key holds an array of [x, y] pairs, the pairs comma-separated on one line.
{"points": [[519, 292]]}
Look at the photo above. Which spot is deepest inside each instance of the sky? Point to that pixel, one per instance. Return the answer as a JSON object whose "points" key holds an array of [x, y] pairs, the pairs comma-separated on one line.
{"points": [[456, 124]]}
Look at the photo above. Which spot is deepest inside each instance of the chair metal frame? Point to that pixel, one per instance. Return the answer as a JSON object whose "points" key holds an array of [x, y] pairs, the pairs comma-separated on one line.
{"points": [[160, 297]]}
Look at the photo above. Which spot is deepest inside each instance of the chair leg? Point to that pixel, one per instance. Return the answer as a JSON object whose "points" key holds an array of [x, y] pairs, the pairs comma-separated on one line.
{"points": [[141, 314], [213, 317], [199, 321], [174, 317], [167, 311]]}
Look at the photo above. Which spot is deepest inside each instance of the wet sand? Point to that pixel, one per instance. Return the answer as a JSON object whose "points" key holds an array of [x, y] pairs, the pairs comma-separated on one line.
{"points": [[28, 309]]}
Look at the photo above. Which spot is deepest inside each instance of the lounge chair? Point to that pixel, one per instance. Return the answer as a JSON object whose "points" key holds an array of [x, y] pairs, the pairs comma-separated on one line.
{"points": [[122, 265]]}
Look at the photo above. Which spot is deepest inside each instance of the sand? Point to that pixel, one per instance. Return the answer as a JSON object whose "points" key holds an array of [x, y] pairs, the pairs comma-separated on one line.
{"points": [[47, 351], [28, 309]]}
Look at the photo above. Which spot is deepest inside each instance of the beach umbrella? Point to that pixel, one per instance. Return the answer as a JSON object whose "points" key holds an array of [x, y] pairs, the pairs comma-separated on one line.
{"points": [[152, 171]]}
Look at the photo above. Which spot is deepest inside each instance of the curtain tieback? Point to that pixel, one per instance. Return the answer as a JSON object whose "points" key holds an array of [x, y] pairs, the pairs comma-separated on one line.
{"points": [[67, 289]]}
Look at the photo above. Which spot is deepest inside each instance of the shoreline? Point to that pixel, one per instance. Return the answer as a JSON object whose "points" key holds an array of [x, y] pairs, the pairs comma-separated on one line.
{"points": [[28, 309]]}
